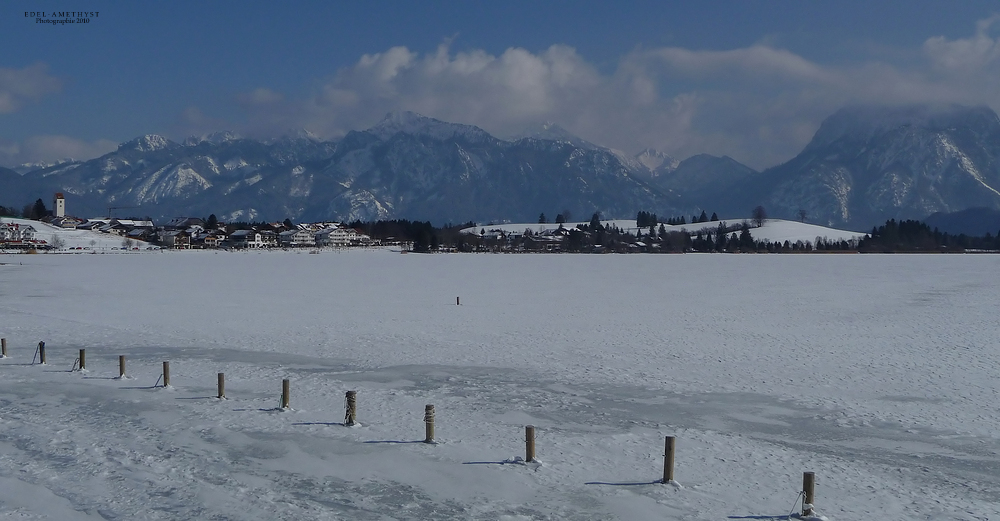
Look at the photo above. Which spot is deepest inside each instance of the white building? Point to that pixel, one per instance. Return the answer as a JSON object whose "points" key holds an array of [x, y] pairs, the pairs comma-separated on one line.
{"points": [[59, 205], [13, 232]]}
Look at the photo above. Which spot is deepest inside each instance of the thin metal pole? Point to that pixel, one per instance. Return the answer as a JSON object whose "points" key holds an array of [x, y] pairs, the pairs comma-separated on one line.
{"points": [[222, 386], [166, 374]]}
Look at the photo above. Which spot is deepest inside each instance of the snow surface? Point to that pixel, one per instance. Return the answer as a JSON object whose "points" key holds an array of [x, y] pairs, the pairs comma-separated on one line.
{"points": [[877, 372]]}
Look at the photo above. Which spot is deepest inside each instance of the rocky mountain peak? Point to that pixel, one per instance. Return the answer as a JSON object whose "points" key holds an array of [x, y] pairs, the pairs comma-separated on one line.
{"points": [[654, 160], [214, 138], [147, 143], [864, 123], [549, 131], [407, 122]]}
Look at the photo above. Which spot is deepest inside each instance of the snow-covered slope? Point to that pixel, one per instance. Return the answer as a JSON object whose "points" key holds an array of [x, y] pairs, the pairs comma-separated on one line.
{"points": [[772, 230], [71, 239]]}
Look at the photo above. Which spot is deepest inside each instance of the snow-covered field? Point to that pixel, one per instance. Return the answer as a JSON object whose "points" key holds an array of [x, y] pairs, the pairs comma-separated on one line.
{"points": [[878, 373]]}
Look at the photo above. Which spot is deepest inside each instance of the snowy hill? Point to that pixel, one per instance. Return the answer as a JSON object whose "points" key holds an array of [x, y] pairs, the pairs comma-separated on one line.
{"points": [[74, 240], [773, 230]]}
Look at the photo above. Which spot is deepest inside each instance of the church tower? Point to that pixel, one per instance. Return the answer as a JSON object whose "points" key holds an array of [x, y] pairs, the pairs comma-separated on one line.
{"points": [[59, 205]]}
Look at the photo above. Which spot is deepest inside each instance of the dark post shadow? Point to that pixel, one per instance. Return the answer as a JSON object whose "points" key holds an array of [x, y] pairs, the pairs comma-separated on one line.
{"points": [[100, 378], [625, 483], [394, 441], [341, 424], [765, 518], [199, 398], [142, 387]]}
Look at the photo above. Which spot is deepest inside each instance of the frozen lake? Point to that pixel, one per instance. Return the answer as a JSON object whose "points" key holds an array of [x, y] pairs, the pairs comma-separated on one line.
{"points": [[878, 373]]}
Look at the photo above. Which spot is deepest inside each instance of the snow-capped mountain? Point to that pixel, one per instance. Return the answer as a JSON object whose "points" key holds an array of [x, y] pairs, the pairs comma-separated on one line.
{"points": [[868, 164], [704, 180], [863, 166], [550, 131], [421, 168], [413, 124], [406, 166], [657, 162]]}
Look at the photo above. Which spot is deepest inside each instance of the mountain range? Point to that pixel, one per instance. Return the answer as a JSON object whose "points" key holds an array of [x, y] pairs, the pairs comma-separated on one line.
{"points": [[863, 166]]}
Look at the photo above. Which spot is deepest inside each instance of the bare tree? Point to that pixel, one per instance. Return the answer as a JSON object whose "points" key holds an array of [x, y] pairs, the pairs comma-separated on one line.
{"points": [[57, 242], [759, 216], [802, 215]]}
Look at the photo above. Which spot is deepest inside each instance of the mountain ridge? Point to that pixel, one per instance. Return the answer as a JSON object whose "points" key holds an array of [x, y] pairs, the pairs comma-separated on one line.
{"points": [[864, 165]]}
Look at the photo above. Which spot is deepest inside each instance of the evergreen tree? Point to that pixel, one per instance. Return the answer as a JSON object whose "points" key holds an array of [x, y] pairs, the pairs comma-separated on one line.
{"points": [[595, 222], [702, 218], [542, 219], [714, 217]]}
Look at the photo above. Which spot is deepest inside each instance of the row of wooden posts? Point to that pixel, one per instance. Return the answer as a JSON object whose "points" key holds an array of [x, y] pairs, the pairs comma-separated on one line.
{"points": [[350, 419]]}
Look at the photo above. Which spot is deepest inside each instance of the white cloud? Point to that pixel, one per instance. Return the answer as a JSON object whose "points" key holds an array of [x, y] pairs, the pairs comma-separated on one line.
{"points": [[19, 86], [51, 148], [759, 104]]}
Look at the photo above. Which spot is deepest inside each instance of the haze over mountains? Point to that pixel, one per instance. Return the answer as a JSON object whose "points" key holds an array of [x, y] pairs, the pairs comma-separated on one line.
{"points": [[863, 166]]}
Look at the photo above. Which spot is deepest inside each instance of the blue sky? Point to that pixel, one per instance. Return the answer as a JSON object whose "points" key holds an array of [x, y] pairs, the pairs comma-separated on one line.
{"points": [[748, 79]]}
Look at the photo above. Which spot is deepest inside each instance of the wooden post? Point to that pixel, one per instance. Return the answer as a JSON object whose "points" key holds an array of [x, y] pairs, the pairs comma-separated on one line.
{"points": [[352, 408], [429, 423], [458, 301], [3, 347], [529, 443], [41, 352], [668, 460], [83, 359], [166, 374], [222, 386], [121, 366], [809, 492], [285, 394]]}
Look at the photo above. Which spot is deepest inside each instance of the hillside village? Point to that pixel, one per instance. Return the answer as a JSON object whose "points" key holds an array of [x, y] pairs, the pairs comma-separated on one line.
{"points": [[179, 233]]}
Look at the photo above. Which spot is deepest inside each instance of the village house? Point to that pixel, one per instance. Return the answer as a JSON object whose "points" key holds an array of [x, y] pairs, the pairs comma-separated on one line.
{"points": [[183, 223], [246, 239], [296, 238], [66, 222], [269, 238], [17, 233], [178, 239]]}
